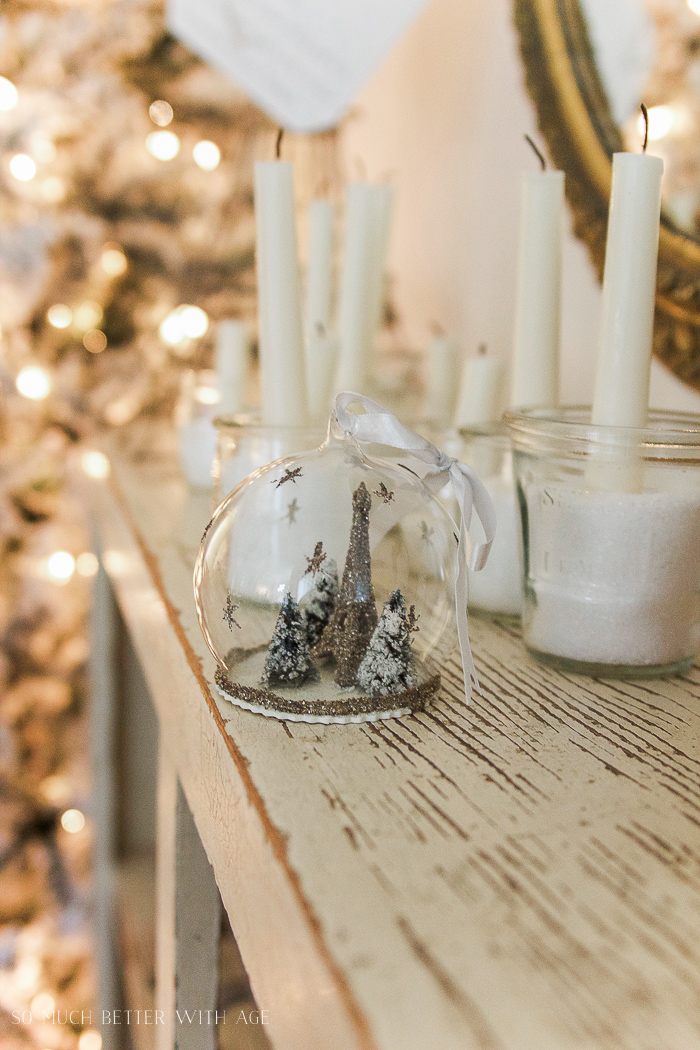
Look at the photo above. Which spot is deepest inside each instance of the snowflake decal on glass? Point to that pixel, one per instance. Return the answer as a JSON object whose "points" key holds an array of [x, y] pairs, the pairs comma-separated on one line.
{"points": [[384, 493], [314, 565], [229, 610], [289, 475]]}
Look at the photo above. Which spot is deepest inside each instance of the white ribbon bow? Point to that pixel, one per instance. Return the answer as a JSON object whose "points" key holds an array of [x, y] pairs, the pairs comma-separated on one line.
{"points": [[380, 427]]}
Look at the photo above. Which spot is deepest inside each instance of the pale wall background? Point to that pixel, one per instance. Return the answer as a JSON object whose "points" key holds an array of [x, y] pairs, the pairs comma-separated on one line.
{"points": [[445, 115]]}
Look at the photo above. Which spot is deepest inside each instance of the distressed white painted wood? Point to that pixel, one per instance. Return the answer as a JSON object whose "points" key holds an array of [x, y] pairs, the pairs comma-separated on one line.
{"points": [[188, 921], [104, 690], [521, 874]]}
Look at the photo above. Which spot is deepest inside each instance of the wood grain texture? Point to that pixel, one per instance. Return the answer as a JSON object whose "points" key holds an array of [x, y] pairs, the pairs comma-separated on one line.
{"points": [[520, 874]]}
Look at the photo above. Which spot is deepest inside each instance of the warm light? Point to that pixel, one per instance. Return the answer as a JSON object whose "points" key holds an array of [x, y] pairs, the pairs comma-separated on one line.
{"points": [[43, 1003], [53, 189], [207, 395], [95, 341], [95, 465], [185, 322], [171, 329], [60, 566], [44, 150], [163, 145], [8, 94], [661, 120], [207, 155], [160, 112], [90, 1040], [22, 167], [73, 821], [87, 564], [113, 260], [87, 315], [27, 974], [121, 412], [60, 316], [694, 6], [56, 789], [194, 321], [33, 382]]}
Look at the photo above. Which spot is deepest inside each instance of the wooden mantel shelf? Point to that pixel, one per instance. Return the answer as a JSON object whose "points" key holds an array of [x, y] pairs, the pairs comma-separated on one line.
{"points": [[520, 874]]}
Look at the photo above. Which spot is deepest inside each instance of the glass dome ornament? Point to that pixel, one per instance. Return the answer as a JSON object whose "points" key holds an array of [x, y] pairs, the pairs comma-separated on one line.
{"points": [[325, 582]]}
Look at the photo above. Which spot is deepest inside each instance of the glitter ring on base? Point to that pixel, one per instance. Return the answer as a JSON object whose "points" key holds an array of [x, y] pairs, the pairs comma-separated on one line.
{"points": [[342, 710]]}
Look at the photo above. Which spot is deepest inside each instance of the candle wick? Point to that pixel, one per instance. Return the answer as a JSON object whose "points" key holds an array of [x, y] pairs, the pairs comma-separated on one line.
{"points": [[278, 146], [482, 351], [320, 329], [542, 161], [645, 114]]}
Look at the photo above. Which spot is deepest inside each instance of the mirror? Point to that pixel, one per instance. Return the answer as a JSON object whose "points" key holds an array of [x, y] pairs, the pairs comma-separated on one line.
{"points": [[588, 65]]}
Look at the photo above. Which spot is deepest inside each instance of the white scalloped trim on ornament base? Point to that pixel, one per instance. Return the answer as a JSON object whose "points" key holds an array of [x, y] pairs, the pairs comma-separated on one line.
{"points": [[283, 716]]}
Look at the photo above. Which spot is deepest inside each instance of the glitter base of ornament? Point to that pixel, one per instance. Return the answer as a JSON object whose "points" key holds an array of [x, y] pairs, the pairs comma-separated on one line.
{"points": [[338, 707]]}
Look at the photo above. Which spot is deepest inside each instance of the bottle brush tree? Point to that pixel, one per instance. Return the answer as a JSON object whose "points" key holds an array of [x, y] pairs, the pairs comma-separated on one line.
{"points": [[288, 661], [388, 665]]}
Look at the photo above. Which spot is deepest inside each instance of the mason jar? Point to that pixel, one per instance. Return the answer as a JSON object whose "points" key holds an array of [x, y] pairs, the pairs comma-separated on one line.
{"points": [[610, 525]]}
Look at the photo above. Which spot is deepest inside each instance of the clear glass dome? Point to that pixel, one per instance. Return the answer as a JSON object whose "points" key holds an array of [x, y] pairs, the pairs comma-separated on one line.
{"points": [[325, 587]]}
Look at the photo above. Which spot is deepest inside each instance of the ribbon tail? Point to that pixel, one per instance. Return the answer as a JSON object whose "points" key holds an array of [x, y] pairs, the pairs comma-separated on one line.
{"points": [[461, 596]]}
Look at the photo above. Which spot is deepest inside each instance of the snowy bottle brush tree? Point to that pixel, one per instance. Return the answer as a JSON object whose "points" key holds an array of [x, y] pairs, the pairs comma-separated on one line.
{"points": [[288, 661], [388, 665]]}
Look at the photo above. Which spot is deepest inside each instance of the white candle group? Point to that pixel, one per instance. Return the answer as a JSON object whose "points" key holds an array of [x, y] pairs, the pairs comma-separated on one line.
{"points": [[535, 378], [282, 369]]}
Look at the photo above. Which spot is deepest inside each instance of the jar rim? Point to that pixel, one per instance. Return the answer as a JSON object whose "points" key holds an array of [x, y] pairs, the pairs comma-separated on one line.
{"points": [[572, 422]]}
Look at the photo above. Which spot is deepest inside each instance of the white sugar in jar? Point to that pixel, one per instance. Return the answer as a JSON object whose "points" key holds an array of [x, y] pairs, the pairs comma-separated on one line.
{"points": [[612, 577]]}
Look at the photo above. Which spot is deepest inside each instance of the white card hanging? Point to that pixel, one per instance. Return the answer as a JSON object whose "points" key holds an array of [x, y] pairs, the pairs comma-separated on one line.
{"points": [[302, 61]]}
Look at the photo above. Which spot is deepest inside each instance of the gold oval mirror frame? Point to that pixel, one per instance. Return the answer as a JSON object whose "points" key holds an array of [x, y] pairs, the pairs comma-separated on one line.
{"points": [[575, 120]]}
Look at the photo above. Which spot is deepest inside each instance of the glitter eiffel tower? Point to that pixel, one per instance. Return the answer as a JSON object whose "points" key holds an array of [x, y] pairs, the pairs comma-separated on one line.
{"points": [[355, 615]]}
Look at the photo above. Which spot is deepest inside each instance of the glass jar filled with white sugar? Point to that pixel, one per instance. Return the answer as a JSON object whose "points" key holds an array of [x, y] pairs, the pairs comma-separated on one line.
{"points": [[610, 520]]}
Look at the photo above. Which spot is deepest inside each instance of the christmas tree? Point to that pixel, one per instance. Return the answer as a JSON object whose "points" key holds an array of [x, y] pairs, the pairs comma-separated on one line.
{"points": [[318, 603], [288, 661], [388, 665], [126, 225]]}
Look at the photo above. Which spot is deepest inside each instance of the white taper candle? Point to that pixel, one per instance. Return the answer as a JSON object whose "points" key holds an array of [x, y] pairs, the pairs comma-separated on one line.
{"points": [[232, 341], [321, 358], [282, 367], [354, 287], [440, 392], [624, 352], [319, 267], [535, 376], [479, 391], [382, 207], [367, 221]]}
